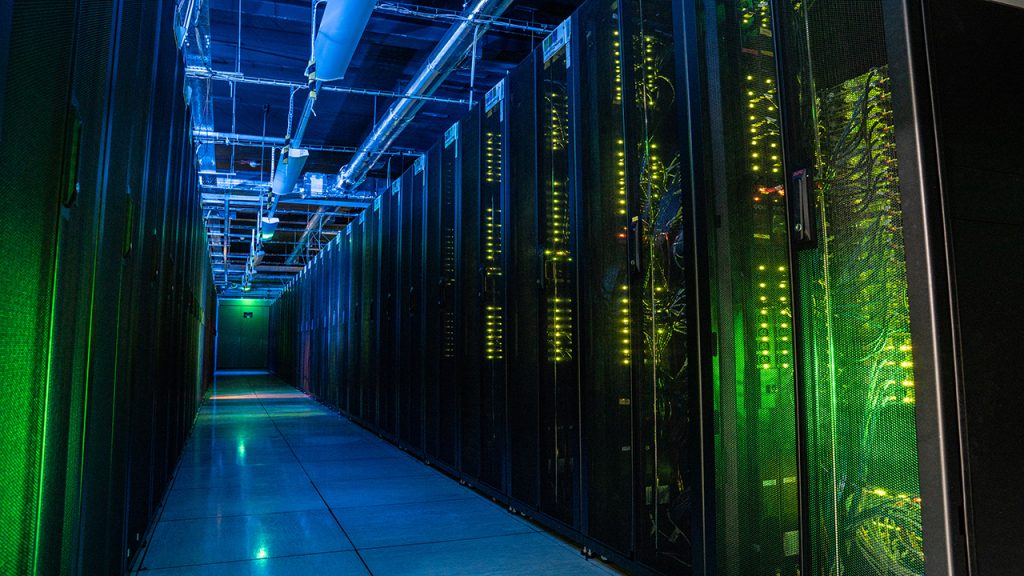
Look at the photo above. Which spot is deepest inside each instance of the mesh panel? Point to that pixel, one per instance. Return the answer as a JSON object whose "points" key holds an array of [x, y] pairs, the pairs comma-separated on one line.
{"points": [[863, 456], [34, 111], [756, 473]]}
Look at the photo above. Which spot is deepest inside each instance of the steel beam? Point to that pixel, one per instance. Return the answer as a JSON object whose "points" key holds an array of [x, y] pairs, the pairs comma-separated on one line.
{"points": [[232, 139], [202, 73]]}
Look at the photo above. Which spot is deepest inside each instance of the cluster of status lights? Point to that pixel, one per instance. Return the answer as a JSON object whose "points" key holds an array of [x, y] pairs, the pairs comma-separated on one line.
{"points": [[494, 315], [620, 172], [448, 249], [771, 278], [557, 254]]}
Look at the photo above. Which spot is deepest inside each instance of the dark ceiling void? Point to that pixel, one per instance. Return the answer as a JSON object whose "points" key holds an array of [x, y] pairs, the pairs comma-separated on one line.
{"points": [[246, 75]]}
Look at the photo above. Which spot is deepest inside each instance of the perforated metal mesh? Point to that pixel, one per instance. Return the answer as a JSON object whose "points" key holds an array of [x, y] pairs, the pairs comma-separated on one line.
{"points": [[33, 122], [866, 506]]}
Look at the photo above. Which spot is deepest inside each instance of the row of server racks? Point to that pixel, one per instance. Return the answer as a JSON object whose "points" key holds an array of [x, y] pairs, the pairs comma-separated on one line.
{"points": [[667, 290], [108, 302]]}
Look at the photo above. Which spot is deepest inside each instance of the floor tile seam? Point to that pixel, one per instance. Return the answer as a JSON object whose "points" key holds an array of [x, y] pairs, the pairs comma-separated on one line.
{"points": [[203, 465], [396, 504], [196, 426], [239, 561], [446, 541], [471, 539], [315, 489], [412, 475], [342, 460], [247, 514]]}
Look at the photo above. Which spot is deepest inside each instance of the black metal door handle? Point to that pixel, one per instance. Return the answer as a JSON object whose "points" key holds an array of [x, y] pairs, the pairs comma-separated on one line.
{"points": [[801, 209]]}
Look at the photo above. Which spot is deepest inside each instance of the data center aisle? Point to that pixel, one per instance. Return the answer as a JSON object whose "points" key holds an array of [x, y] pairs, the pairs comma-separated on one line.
{"points": [[271, 482]]}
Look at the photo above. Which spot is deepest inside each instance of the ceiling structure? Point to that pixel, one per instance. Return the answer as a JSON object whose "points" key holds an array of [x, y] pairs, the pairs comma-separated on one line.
{"points": [[245, 77]]}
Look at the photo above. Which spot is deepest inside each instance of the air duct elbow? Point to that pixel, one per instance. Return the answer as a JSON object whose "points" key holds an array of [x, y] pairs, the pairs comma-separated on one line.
{"points": [[336, 40]]}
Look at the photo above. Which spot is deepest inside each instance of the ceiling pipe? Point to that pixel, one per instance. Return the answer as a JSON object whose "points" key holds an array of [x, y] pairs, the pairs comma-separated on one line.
{"points": [[336, 39], [340, 29], [450, 51], [448, 54], [204, 74]]}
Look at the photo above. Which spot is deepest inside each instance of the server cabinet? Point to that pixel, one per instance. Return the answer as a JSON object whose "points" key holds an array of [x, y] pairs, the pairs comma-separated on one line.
{"points": [[334, 321], [973, 44], [467, 310], [523, 338], [388, 247], [558, 377], [431, 310], [305, 338], [754, 388], [839, 264], [319, 320], [410, 377], [370, 346], [360, 296], [671, 414], [327, 321], [851, 285], [447, 280], [324, 322], [105, 417], [351, 300], [607, 296], [492, 270]]}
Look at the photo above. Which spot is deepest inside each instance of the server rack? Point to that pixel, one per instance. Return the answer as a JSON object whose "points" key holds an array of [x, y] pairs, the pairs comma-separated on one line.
{"points": [[558, 362], [493, 420], [756, 445], [431, 310], [334, 321], [109, 266], [388, 251], [371, 317], [410, 376], [468, 326], [861, 418], [520, 221], [351, 297], [447, 414], [318, 302], [606, 292], [855, 374], [361, 303], [692, 148]]}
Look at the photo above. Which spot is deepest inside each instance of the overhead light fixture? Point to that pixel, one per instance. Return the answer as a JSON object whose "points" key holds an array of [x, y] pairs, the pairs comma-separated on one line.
{"points": [[268, 226]]}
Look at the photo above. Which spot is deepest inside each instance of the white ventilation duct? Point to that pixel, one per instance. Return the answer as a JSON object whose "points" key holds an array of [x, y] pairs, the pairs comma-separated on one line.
{"points": [[289, 169], [340, 29]]}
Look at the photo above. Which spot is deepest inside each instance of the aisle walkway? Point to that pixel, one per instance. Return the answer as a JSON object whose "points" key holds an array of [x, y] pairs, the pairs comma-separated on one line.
{"points": [[272, 482]]}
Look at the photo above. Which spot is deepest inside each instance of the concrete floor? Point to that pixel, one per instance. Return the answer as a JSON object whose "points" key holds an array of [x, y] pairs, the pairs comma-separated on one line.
{"points": [[271, 482]]}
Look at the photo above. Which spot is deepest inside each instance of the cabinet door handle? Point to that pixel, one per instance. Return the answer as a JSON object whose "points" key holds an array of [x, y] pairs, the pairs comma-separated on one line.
{"points": [[802, 209], [634, 239]]}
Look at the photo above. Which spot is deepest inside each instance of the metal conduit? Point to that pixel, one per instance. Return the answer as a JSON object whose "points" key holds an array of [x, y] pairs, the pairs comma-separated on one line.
{"points": [[442, 61]]}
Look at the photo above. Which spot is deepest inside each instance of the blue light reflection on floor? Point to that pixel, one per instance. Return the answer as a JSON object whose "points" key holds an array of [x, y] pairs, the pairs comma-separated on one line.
{"points": [[273, 483]]}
